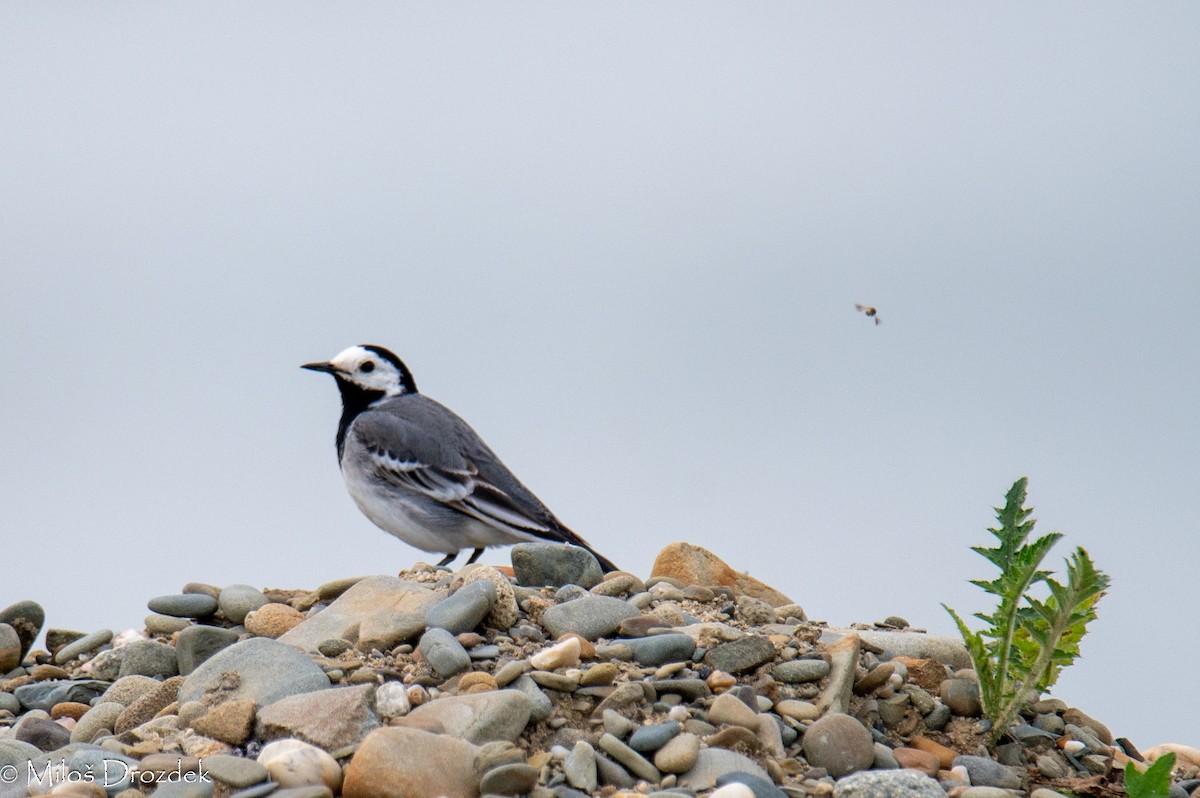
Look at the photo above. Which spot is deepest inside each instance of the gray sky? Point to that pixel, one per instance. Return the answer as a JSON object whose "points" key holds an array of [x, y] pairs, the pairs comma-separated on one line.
{"points": [[624, 242]]}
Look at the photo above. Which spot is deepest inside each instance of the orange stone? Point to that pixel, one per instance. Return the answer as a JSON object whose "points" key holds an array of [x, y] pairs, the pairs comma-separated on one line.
{"points": [[916, 759], [693, 565], [945, 755]]}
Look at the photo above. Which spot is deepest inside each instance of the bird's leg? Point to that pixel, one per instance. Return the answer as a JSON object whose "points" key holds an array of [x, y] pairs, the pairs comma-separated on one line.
{"points": [[449, 558], [475, 555]]}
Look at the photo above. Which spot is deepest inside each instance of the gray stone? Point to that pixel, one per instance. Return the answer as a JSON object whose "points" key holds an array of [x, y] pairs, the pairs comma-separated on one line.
{"points": [[16, 753], [555, 565], [379, 612], [688, 689], [840, 744], [658, 650], [98, 719], [106, 664], [464, 610], [679, 754], [888, 784], [263, 671], [43, 734], [112, 771], [1094, 744], [962, 696], [987, 772], [937, 719], [798, 671], [648, 739], [985, 792], [443, 652], [26, 619], [580, 767], [884, 758], [477, 718], [946, 649], [631, 760], [762, 788], [44, 695], [740, 655], [193, 787], [609, 773], [713, 763], [196, 644], [165, 624], [540, 705], [512, 779], [183, 605], [83, 645], [148, 658], [591, 617], [9, 703], [236, 771], [331, 719], [238, 601]]}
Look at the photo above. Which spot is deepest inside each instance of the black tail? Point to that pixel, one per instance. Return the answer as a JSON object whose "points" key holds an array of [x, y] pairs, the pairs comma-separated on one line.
{"points": [[568, 536]]}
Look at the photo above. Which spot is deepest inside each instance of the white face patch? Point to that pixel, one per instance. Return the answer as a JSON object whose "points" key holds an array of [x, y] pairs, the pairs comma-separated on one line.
{"points": [[368, 370]]}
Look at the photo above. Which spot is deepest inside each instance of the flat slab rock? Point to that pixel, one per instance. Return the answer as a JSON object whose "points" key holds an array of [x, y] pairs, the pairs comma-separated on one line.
{"points": [[259, 669], [377, 612]]}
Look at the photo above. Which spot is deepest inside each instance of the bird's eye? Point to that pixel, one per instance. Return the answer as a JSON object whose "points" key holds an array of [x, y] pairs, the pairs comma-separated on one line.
{"points": [[367, 367]]}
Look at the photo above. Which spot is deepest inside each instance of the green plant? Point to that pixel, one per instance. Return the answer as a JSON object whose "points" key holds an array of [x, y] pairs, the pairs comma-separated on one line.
{"points": [[1154, 783], [1027, 640]]}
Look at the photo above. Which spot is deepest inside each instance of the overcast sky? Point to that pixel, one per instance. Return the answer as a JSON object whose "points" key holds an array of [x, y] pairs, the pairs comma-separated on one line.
{"points": [[624, 241]]}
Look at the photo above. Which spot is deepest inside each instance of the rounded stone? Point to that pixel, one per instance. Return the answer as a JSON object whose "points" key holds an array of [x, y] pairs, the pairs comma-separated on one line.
{"points": [[463, 610], [679, 754], [10, 648], [26, 619], [443, 652], [840, 744], [183, 605], [165, 624], [555, 565], [399, 761], [238, 601], [579, 767], [505, 612], [648, 739], [83, 645], [798, 671], [273, 620], [391, 700], [962, 696], [295, 763], [236, 771], [884, 783], [514, 779], [148, 658]]}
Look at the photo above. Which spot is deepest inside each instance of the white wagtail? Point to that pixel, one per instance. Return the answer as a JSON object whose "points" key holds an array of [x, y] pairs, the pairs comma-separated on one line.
{"points": [[420, 472]]}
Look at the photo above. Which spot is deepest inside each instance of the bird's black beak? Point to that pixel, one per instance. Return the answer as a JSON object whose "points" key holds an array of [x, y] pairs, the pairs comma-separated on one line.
{"points": [[328, 368]]}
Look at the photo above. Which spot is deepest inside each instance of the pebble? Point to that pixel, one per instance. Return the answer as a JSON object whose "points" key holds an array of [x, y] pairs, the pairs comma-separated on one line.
{"points": [[148, 705], [295, 763], [505, 612], [925, 761], [1077, 718], [443, 652], [148, 658], [238, 601], [759, 787], [985, 792], [230, 721], [602, 674], [378, 612], [679, 753], [591, 617], [988, 772], [937, 719], [268, 670], [101, 718], [391, 700], [554, 565], [10, 648], [560, 655], [514, 779], [26, 619], [44, 734], [396, 761], [165, 625], [740, 655], [478, 718], [712, 763], [634, 762], [648, 739], [579, 767], [463, 610], [195, 644], [83, 645], [540, 705], [798, 671], [732, 790], [839, 744], [44, 695], [184, 605], [273, 620], [888, 784], [236, 771], [727, 708], [962, 696]]}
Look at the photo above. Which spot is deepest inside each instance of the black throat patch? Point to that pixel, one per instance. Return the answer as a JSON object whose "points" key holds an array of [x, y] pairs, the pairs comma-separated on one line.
{"points": [[355, 399]]}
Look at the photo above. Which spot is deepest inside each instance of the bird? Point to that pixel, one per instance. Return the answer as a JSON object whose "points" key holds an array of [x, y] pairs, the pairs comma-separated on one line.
{"points": [[870, 311], [420, 472]]}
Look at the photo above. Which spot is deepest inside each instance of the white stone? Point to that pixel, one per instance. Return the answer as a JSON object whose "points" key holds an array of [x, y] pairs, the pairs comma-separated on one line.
{"points": [[734, 789], [391, 700], [560, 655], [295, 763]]}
